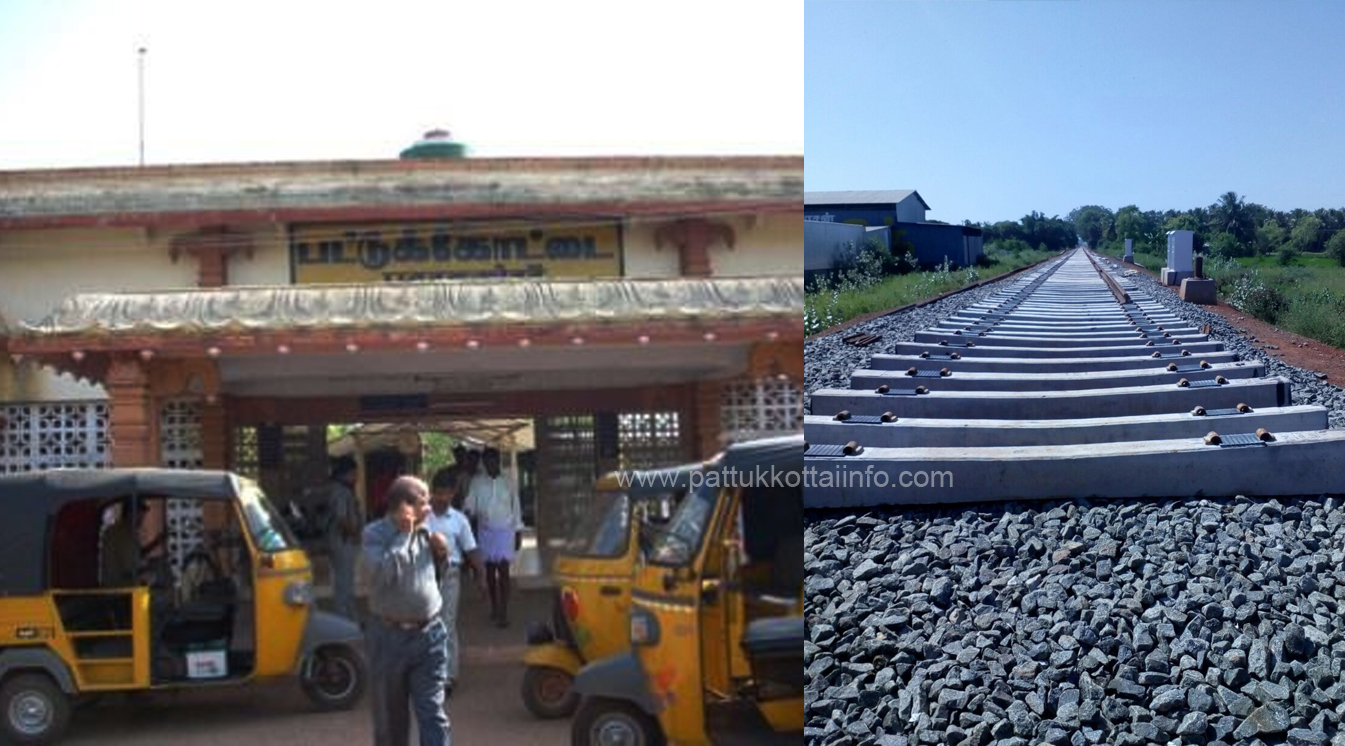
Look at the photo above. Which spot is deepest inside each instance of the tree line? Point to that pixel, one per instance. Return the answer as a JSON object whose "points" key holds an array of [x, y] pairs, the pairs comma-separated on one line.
{"points": [[1230, 227], [1033, 231]]}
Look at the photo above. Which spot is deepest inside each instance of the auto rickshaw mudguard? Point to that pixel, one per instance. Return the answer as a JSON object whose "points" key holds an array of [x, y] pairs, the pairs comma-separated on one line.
{"points": [[553, 655], [37, 659], [325, 628], [619, 677]]}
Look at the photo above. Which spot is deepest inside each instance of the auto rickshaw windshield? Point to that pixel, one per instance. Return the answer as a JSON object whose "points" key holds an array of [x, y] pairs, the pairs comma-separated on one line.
{"points": [[606, 530], [268, 530], [677, 544]]}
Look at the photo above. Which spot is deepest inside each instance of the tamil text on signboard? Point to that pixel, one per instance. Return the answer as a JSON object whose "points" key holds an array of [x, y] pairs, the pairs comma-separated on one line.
{"points": [[408, 253]]}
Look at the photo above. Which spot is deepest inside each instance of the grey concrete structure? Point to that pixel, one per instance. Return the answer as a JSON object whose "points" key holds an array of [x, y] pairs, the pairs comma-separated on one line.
{"points": [[1200, 291], [958, 345], [913, 432], [1190, 370], [1066, 385], [1147, 468], [1035, 365], [1023, 330], [1005, 340], [1049, 405]]}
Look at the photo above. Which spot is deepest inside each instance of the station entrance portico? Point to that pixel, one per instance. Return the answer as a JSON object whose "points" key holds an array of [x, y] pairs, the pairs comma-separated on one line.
{"points": [[602, 375]]}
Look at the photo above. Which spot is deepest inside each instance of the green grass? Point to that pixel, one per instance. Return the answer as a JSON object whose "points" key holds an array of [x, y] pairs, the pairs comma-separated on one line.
{"points": [[1307, 297], [1303, 260], [828, 308]]}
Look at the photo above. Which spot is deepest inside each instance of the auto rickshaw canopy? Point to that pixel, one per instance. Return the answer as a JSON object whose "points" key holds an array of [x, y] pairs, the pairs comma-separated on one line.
{"points": [[650, 482], [31, 502], [784, 453]]}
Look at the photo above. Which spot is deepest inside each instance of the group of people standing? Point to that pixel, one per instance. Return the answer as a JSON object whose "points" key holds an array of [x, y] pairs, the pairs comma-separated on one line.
{"points": [[466, 519]]}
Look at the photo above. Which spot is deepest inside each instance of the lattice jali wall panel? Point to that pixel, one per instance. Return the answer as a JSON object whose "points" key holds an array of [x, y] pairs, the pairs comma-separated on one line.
{"points": [[761, 408], [64, 435], [649, 440], [180, 435], [180, 448]]}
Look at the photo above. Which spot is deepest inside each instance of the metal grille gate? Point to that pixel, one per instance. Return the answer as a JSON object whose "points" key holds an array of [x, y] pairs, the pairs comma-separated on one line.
{"points": [[568, 462], [648, 440]]}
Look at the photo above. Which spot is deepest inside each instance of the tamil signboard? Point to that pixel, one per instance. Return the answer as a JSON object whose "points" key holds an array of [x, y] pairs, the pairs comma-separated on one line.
{"points": [[409, 252]]}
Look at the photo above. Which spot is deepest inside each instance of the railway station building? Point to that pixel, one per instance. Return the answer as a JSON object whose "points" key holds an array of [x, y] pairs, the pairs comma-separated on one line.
{"points": [[625, 312]]}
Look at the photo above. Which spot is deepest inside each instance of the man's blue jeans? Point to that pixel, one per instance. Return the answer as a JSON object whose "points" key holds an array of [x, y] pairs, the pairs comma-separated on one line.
{"points": [[408, 667]]}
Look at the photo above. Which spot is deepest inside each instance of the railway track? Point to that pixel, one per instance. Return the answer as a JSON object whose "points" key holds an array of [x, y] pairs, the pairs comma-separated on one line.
{"points": [[1068, 382]]}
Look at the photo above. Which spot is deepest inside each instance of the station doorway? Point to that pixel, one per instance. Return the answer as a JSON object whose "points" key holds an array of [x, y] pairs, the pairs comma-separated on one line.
{"points": [[552, 461]]}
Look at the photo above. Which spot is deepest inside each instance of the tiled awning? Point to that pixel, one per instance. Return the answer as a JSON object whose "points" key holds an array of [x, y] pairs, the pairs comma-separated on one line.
{"points": [[412, 306]]}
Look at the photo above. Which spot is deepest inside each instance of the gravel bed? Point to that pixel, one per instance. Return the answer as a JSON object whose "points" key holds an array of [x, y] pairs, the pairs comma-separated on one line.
{"points": [[1124, 622], [1191, 621]]}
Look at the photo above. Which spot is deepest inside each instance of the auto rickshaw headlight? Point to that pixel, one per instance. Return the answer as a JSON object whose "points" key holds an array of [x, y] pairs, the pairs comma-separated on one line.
{"points": [[299, 593], [643, 627]]}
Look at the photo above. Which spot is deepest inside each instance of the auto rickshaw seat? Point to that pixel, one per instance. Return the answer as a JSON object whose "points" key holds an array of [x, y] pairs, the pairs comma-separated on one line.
{"points": [[197, 621], [774, 635], [775, 647]]}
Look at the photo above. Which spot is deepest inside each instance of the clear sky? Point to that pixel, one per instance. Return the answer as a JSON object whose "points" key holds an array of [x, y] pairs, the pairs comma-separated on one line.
{"points": [[296, 80], [994, 109]]}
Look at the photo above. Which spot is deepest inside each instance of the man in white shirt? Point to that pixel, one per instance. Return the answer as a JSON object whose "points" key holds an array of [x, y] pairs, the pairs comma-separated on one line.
{"points": [[449, 521], [493, 503]]}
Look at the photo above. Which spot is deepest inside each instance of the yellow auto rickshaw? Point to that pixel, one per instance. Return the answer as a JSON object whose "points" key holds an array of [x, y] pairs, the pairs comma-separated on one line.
{"points": [[92, 603], [716, 619], [593, 576]]}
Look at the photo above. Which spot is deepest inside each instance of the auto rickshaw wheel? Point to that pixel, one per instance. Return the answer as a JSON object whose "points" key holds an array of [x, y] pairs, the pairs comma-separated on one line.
{"points": [[334, 679], [548, 692], [36, 711], [612, 722]]}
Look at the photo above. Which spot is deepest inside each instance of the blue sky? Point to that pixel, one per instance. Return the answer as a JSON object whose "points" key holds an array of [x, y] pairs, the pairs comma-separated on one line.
{"points": [[994, 109], [251, 80]]}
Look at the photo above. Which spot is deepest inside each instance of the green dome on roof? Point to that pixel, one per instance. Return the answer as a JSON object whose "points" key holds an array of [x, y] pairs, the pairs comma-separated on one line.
{"points": [[435, 144]]}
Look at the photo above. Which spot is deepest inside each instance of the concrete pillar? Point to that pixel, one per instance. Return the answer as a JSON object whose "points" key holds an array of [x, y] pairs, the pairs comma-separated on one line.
{"points": [[708, 419], [510, 461], [214, 434], [133, 423]]}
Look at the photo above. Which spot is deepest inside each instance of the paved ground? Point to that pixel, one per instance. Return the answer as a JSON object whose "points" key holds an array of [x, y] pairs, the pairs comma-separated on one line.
{"points": [[486, 708]]}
